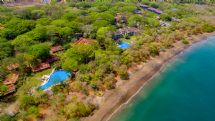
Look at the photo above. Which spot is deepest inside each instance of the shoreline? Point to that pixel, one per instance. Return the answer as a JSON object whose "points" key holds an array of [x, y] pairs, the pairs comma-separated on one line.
{"points": [[115, 99]]}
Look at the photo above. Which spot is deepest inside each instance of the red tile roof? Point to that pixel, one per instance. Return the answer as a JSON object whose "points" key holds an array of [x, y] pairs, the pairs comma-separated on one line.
{"points": [[11, 79], [40, 67], [56, 48], [84, 41], [45, 64], [52, 59], [11, 88]]}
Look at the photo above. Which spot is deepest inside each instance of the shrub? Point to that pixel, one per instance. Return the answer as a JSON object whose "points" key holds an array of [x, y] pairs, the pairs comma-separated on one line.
{"points": [[208, 28], [122, 71], [33, 110], [154, 5], [39, 51], [84, 109], [146, 2], [57, 88], [36, 14], [6, 117], [26, 101], [93, 84], [185, 41], [3, 89], [153, 49], [109, 81], [166, 17], [76, 86], [78, 109]]}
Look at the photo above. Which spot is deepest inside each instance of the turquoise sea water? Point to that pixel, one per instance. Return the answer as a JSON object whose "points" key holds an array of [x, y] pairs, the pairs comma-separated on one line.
{"points": [[56, 78], [184, 91]]}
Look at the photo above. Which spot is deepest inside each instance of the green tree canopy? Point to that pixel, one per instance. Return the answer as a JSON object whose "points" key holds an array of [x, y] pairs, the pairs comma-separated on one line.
{"points": [[39, 51], [6, 49], [135, 20], [38, 34], [17, 26], [44, 21], [22, 43]]}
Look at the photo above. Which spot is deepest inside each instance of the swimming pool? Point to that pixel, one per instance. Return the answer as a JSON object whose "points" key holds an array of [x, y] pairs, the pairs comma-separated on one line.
{"points": [[56, 78], [124, 45]]}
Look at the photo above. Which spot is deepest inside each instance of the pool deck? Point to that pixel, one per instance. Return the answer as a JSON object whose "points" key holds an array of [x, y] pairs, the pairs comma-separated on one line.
{"points": [[44, 82]]}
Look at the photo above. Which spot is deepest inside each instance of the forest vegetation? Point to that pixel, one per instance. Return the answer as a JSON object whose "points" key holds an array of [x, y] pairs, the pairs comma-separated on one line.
{"points": [[28, 33]]}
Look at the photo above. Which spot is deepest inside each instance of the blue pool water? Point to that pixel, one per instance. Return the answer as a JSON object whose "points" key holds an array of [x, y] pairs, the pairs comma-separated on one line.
{"points": [[56, 78], [124, 45]]}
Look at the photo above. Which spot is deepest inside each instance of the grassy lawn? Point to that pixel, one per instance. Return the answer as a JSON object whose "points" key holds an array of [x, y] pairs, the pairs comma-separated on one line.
{"points": [[32, 81]]}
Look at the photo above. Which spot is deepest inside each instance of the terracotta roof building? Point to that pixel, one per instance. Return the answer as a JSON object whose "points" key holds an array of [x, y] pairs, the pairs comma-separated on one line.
{"points": [[52, 59], [56, 48], [11, 79], [10, 88], [40, 67], [9, 82], [84, 41], [45, 64]]}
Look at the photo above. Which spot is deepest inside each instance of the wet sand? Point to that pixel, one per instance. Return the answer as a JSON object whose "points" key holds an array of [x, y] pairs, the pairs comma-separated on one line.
{"points": [[113, 100]]}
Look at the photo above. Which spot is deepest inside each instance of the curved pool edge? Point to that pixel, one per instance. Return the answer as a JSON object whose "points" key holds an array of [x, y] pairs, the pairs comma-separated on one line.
{"points": [[46, 85]]}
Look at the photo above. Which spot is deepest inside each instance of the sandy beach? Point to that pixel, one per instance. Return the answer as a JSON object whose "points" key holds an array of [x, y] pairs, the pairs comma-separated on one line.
{"points": [[113, 100]]}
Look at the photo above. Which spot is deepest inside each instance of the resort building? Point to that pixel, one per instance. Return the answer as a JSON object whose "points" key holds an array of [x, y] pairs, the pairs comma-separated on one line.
{"points": [[56, 48], [40, 67], [9, 82], [154, 10], [45, 64], [84, 41], [11, 79], [125, 31], [52, 59], [10, 88]]}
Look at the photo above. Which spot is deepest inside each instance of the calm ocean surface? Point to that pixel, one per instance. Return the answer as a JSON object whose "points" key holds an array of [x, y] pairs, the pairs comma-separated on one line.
{"points": [[184, 91]]}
